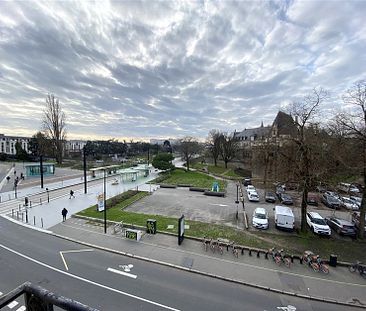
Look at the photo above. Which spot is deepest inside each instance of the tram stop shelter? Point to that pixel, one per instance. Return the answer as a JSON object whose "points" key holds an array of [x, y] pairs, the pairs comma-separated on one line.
{"points": [[34, 169], [126, 174]]}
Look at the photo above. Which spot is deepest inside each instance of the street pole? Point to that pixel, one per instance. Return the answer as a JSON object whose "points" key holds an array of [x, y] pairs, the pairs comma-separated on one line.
{"points": [[237, 193], [48, 196], [85, 182], [105, 204], [41, 168], [15, 190]]}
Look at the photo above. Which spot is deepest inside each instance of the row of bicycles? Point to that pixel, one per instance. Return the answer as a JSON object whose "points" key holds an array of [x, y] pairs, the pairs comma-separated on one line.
{"points": [[308, 258], [219, 246]]}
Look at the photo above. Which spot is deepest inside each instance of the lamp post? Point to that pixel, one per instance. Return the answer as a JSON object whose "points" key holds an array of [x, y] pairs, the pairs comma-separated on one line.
{"points": [[48, 196], [237, 193], [84, 160], [41, 169], [105, 203]]}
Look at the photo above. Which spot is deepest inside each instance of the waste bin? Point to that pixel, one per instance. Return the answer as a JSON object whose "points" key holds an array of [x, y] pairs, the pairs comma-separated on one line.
{"points": [[333, 260], [151, 226]]}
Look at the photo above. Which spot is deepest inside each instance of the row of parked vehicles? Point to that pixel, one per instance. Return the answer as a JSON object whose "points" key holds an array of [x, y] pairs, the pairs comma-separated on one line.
{"points": [[285, 219]]}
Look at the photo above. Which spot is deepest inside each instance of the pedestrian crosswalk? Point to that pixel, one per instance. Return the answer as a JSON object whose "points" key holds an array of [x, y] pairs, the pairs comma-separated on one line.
{"points": [[14, 305]]}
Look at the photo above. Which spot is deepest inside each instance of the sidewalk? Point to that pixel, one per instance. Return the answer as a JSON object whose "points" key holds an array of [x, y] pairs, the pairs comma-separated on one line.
{"points": [[339, 286]]}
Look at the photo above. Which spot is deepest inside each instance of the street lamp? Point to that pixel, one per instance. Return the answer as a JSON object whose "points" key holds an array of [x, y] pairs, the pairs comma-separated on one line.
{"points": [[105, 202], [237, 193], [48, 196]]}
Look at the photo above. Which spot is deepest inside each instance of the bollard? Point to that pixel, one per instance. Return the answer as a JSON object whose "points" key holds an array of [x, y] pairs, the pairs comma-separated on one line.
{"points": [[266, 255], [242, 251], [26, 215], [292, 258], [12, 213], [30, 203], [40, 201], [34, 220], [227, 247], [22, 217], [42, 222], [17, 215], [19, 207], [258, 254], [250, 252], [301, 260]]}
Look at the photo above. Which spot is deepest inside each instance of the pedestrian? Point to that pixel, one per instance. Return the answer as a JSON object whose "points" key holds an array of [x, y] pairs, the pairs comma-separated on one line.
{"points": [[64, 214], [15, 172], [71, 194], [26, 201], [21, 176], [7, 178]]}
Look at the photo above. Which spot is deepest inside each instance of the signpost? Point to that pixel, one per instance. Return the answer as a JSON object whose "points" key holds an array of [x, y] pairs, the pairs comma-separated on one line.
{"points": [[100, 202], [180, 230]]}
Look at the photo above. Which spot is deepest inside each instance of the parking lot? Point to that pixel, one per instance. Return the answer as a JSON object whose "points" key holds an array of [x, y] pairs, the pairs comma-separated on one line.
{"points": [[198, 207]]}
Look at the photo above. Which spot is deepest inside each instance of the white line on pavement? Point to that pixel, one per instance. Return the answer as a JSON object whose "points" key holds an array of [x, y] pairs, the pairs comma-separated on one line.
{"points": [[130, 275], [88, 281], [72, 251], [22, 308], [13, 304], [64, 261]]}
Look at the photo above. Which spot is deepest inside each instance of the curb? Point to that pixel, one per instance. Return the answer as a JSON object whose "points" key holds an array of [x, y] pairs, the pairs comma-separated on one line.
{"points": [[315, 298]]}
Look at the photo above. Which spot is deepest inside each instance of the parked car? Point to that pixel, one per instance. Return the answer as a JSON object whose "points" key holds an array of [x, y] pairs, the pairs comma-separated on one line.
{"points": [[330, 201], [250, 188], [317, 223], [284, 217], [356, 200], [286, 199], [333, 194], [312, 200], [247, 181], [270, 197], [253, 196], [260, 218], [341, 226], [279, 191], [349, 204]]}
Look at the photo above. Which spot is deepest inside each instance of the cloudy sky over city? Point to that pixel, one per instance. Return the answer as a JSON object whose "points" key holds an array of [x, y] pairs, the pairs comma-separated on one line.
{"points": [[159, 69]]}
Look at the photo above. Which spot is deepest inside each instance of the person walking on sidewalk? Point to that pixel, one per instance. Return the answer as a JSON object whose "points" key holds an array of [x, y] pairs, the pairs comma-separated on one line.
{"points": [[64, 214], [71, 194]]}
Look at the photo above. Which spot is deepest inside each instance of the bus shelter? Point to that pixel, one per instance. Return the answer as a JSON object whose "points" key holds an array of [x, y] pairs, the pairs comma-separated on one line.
{"points": [[34, 169]]}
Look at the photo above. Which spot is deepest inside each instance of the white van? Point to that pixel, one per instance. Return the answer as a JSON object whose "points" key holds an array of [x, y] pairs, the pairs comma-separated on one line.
{"points": [[284, 217]]}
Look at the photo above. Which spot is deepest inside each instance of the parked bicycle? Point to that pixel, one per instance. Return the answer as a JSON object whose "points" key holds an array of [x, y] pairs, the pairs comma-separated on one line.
{"points": [[279, 257], [119, 228], [212, 245], [234, 250], [315, 262], [205, 243], [358, 266]]}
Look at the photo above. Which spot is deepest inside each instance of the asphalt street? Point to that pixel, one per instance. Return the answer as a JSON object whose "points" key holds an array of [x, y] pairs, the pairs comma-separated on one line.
{"points": [[91, 277]]}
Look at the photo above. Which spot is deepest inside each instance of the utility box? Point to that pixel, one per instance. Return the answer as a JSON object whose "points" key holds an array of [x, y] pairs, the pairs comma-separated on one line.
{"points": [[133, 234], [151, 226], [333, 260]]}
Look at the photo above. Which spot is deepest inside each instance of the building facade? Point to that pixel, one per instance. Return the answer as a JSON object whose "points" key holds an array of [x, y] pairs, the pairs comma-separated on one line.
{"points": [[74, 146], [7, 144]]}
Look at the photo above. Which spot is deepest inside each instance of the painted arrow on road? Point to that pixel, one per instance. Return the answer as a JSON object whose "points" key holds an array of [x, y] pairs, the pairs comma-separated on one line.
{"points": [[72, 251]]}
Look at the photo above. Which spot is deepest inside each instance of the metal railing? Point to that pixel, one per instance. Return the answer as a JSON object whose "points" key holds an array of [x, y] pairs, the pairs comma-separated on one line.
{"points": [[40, 299]]}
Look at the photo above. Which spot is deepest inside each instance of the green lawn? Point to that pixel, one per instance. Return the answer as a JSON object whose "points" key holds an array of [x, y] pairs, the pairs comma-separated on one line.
{"points": [[196, 179], [217, 170]]}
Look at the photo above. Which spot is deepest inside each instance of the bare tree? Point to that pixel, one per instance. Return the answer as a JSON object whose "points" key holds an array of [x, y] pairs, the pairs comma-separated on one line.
{"points": [[304, 113], [213, 141], [228, 147], [54, 125], [189, 147], [354, 123]]}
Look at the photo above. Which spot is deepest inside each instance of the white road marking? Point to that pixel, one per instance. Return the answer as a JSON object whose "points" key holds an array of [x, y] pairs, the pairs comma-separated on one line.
{"points": [[126, 268], [72, 251], [130, 275], [216, 204], [22, 308], [88, 281], [13, 304]]}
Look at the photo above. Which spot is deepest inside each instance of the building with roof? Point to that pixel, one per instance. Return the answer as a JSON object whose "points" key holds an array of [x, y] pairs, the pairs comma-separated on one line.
{"points": [[249, 137]]}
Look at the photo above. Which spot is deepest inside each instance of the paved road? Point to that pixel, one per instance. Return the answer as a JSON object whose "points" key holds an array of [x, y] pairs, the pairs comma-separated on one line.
{"points": [[28, 255]]}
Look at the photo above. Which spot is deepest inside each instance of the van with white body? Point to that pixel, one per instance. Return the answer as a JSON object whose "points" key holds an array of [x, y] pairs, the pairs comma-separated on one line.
{"points": [[284, 217]]}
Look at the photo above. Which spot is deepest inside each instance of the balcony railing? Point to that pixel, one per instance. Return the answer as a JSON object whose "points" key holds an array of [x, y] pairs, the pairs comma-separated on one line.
{"points": [[39, 299]]}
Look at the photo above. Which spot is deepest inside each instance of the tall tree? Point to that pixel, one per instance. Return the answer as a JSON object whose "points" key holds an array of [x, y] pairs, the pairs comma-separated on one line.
{"points": [[39, 145], [304, 113], [189, 147], [54, 126], [213, 141], [354, 122], [21, 154], [228, 147]]}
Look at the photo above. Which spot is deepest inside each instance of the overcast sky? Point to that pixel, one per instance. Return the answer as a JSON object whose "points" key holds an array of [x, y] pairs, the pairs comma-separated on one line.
{"points": [[160, 69]]}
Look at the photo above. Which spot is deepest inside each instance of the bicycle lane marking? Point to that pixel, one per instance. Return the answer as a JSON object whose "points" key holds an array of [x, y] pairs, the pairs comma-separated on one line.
{"points": [[227, 261], [86, 280]]}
